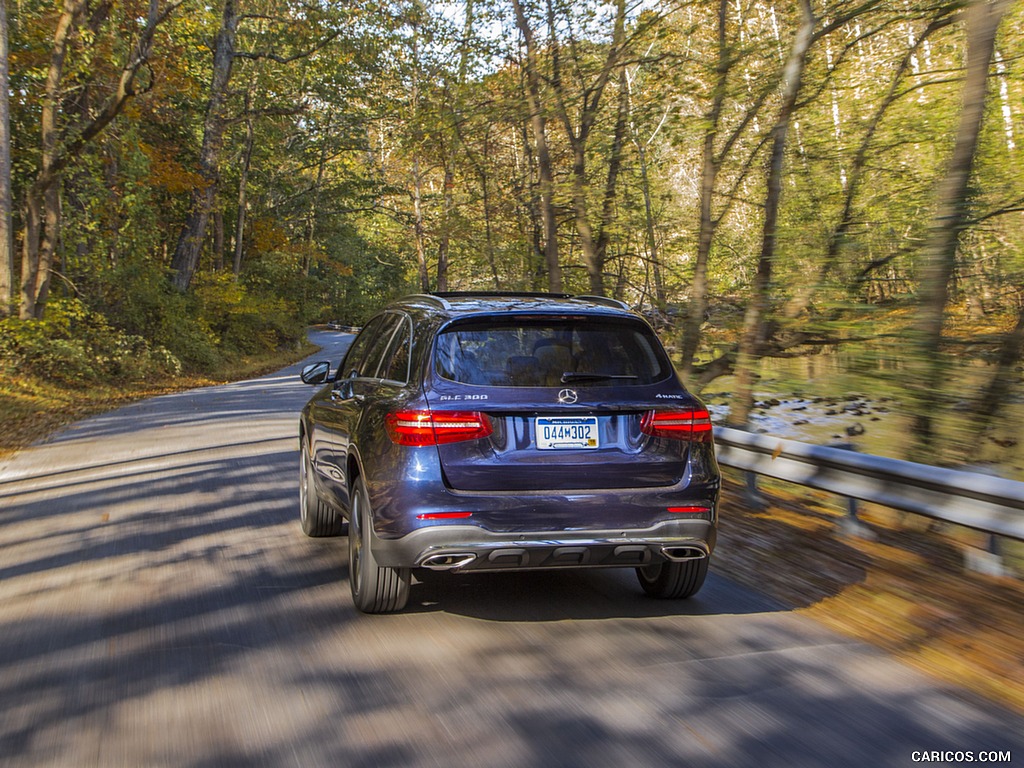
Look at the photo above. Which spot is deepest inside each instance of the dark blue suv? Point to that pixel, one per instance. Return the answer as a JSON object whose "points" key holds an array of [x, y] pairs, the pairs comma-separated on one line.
{"points": [[489, 432]]}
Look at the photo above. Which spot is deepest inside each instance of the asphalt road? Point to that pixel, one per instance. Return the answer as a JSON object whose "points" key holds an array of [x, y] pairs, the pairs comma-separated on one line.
{"points": [[159, 606]]}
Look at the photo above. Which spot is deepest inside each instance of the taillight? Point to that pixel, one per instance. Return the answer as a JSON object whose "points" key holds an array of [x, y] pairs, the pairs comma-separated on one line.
{"points": [[693, 424], [436, 427]]}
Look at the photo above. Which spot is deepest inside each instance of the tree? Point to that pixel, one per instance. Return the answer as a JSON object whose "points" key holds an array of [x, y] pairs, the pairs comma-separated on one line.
{"points": [[218, 115], [6, 201], [982, 18], [586, 107], [62, 143], [755, 321], [714, 153], [190, 240], [538, 124], [451, 135]]}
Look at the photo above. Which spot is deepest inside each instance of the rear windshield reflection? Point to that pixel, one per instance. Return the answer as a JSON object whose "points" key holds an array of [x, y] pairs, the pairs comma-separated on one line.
{"points": [[550, 354]]}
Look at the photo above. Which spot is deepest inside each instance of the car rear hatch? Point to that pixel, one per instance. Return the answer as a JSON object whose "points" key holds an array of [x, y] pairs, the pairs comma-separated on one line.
{"points": [[559, 403]]}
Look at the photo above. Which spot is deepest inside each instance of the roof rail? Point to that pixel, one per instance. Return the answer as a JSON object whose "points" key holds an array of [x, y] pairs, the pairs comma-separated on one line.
{"points": [[605, 300], [433, 298], [500, 294]]}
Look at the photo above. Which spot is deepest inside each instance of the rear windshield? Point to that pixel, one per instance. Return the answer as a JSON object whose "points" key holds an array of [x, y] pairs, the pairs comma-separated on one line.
{"points": [[550, 352]]}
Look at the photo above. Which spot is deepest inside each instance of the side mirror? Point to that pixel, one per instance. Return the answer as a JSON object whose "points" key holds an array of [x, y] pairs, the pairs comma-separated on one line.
{"points": [[316, 373]]}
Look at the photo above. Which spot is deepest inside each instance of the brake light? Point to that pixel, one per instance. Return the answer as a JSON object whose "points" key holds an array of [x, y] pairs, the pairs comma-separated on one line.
{"points": [[693, 424], [444, 515], [417, 428]]}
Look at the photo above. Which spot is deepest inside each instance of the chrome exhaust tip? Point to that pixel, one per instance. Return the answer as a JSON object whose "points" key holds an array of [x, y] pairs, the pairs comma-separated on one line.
{"points": [[448, 562], [683, 554]]}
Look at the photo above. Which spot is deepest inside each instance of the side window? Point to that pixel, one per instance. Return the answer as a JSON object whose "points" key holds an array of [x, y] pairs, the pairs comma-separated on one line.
{"points": [[357, 353], [395, 365], [382, 337]]}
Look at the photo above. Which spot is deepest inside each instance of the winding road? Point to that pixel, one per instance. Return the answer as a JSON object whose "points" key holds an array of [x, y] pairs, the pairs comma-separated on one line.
{"points": [[159, 606]]}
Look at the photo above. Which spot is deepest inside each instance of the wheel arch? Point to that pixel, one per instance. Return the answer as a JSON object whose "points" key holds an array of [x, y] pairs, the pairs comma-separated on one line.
{"points": [[353, 469]]}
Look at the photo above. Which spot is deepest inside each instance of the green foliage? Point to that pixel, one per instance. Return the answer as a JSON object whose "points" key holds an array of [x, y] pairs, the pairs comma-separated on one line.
{"points": [[220, 319], [245, 322], [74, 345], [333, 147], [136, 297]]}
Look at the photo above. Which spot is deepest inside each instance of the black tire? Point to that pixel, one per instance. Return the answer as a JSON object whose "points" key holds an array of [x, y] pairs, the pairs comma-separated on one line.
{"points": [[375, 588], [673, 581], [317, 517]]}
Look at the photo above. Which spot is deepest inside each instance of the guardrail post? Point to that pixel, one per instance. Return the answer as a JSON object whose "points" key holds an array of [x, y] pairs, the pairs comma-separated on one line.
{"points": [[987, 561], [751, 492], [851, 524]]}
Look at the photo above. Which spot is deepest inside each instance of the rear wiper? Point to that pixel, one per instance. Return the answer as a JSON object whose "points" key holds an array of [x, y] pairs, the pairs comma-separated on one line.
{"points": [[570, 376]]}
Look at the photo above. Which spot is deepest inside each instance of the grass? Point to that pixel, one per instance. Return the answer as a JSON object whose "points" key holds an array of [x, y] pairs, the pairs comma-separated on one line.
{"points": [[31, 409], [906, 591]]}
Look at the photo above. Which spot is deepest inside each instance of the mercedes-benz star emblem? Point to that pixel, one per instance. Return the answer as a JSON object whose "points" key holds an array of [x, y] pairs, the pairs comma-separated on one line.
{"points": [[567, 397]]}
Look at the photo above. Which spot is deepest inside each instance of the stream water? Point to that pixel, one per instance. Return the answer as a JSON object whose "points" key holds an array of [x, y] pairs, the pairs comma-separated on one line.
{"points": [[832, 398]]}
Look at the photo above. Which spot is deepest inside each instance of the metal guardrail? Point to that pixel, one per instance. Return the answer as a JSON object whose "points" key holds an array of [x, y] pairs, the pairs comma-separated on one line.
{"points": [[985, 503]]}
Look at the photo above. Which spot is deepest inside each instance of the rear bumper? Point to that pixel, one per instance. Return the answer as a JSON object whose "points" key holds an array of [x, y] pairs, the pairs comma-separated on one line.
{"points": [[470, 548]]}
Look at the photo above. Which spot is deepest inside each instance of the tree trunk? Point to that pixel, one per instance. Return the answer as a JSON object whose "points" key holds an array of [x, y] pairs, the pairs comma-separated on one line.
{"points": [[190, 242], [243, 193], [41, 205], [594, 265], [451, 156], [42, 198], [444, 243], [218, 238], [653, 263], [579, 136], [6, 201], [314, 205], [604, 231], [755, 321], [653, 255], [983, 18], [49, 243], [698, 303], [488, 224], [418, 226], [992, 397], [44, 214], [539, 125]]}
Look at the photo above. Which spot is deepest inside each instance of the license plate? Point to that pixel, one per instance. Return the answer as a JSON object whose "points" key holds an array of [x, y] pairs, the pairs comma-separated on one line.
{"points": [[563, 432]]}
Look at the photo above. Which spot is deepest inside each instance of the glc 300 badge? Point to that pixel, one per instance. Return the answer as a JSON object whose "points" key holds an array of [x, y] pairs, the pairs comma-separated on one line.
{"points": [[567, 396]]}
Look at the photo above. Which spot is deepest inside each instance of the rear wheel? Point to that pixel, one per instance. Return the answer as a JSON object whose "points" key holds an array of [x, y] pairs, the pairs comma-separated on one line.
{"points": [[375, 588], [317, 517], [672, 580]]}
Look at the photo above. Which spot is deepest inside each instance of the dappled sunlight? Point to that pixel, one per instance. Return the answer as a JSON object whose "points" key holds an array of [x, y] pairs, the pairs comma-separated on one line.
{"points": [[904, 588], [161, 607], [280, 395]]}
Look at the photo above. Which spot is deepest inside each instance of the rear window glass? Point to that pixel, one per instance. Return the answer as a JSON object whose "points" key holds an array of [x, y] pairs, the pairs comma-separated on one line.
{"points": [[550, 353]]}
